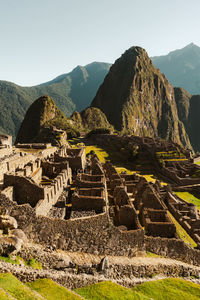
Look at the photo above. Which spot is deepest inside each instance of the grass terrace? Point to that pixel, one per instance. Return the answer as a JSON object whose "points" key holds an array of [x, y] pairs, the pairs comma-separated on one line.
{"points": [[170, 289], [176, 155], [165, 289], [182, 233], [51, 290], [109, 291], [188, 197]]}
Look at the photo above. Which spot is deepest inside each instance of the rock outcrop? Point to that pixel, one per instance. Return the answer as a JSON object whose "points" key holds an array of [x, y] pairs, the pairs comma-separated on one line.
{"points": [[11, 238], [136, 98]]}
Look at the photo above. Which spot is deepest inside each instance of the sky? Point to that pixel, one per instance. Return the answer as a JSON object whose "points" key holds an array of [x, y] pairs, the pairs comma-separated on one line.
{"points": [[42, 39]]}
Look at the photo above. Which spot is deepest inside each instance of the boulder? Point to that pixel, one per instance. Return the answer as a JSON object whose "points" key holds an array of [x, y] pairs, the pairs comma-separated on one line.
{"points": [[19, 234], [104, 264], [10, 245], [7, 223]]}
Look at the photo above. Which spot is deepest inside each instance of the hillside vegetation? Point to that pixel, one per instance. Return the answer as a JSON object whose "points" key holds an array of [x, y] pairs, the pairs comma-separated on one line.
{"points": [[44, 114], [71, 91]]}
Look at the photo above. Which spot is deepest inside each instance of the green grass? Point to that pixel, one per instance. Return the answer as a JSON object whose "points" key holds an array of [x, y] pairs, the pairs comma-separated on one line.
{"points": [[151, 254], [189, 198], [197, 163], [12, 261], [119, 170], [15, 288], [100, 152], [169, 289], [30, 262], [33, 263], [51, 290], [109, 291], [182, 233], [4, 296], [176, 159]]}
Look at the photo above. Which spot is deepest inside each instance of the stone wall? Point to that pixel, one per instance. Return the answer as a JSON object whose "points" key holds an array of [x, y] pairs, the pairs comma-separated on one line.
{"points": [[157, 223], [173, 248], [34, 145], [31, 170], [25, 190], [8, 192], [17, 160], [80, 202], [99, 192], [5, 151], [76, 157], [93, 234], [6, 140], [46, 153], [42, 198], [52, 193], [186, 214]]}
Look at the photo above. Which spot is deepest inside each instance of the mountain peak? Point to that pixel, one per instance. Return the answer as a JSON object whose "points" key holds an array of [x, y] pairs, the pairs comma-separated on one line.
{"points": [[191, 45], [137, 98], [181, 67]]}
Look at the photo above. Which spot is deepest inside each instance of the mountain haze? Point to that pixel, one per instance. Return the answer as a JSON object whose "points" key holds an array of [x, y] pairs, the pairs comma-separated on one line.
{"points": [[181, 67]]}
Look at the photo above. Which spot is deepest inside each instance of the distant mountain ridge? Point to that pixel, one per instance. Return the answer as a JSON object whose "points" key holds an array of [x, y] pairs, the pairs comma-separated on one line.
{"points": [[71, 91], [181, 67]]}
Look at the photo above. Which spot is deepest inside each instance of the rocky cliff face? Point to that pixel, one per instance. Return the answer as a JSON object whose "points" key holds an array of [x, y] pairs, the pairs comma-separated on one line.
{"points": [[188, 112], [194, 122], [136, 98], [44, 122]]}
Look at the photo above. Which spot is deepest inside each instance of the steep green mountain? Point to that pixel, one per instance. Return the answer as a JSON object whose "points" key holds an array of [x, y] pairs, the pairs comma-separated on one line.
{"points": [[90, 119], [72, 91], [42, 123], [136, 98], [181, 67]]}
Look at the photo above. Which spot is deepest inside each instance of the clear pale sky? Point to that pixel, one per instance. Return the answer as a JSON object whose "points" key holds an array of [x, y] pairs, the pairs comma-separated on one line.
{"points": [[41, 39]]}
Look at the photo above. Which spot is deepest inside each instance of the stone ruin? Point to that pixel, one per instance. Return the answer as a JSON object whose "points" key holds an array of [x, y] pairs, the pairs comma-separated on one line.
{"points": [[59, 197], [186, 214]]}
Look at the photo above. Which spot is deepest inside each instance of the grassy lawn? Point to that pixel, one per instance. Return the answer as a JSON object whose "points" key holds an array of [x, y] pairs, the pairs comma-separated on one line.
{"points": [[109, 291], [182, 233], [169, 289], [51, 290], [189, 198], [15, 288]]}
